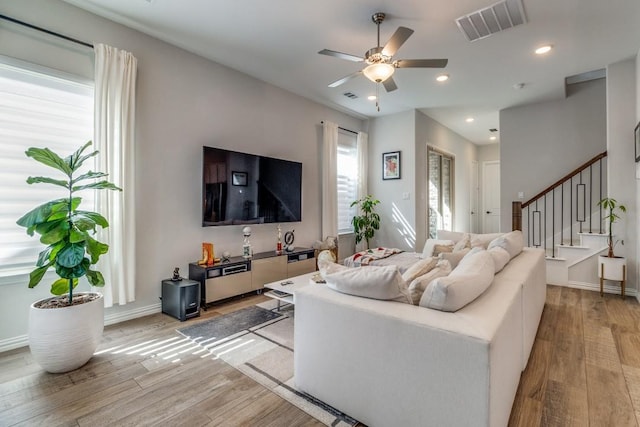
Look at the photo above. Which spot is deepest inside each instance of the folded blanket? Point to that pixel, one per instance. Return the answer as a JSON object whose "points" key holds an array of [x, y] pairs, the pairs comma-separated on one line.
{"points": [[365, 257]]}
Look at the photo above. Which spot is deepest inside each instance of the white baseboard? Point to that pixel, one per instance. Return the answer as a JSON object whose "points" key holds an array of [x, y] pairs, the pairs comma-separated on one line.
{"points": [[110, 319], [15, 342], [608, 289]]}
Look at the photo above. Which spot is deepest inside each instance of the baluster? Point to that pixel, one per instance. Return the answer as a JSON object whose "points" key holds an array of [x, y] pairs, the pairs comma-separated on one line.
{"points": [[553, 223], [590, 198], [562, 214], [545, 224], [600, 206], [571, 211]]}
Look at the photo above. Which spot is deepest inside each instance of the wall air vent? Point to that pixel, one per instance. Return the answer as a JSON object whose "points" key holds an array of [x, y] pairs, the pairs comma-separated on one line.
{"points": [[350, 95], [498, 17]]}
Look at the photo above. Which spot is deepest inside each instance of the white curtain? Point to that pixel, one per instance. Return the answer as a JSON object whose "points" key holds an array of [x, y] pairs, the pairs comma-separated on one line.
{"points": [[362, 143], [329, 179], [114, 137]]}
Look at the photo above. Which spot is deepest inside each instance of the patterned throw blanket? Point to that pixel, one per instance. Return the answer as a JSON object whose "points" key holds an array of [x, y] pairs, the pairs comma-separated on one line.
{"points": [[365, 257]]}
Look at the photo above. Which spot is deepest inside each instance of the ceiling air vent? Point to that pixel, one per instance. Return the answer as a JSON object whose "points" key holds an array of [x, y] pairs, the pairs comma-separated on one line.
{"points": [[498, 17], [350, 95]]}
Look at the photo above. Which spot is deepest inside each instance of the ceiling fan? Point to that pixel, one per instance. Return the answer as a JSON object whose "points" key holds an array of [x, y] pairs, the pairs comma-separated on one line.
{"points": [[380, 63]]}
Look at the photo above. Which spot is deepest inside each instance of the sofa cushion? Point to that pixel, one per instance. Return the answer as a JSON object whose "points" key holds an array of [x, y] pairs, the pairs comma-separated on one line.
{"points": [[421, 267], [384, 283], [500, 257], [439, 245], [512, 242], [454, 257], [464, 284], [420, 283], [483, 240], [456, 236]]}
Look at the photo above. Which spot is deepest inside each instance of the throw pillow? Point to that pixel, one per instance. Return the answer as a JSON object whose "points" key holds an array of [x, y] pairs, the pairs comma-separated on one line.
{"points": [[421, 267], [454, 257], [430, 244], [463, 243], [463, 285], [500, 257], [384, 283], [439, 249], [419, 284]]}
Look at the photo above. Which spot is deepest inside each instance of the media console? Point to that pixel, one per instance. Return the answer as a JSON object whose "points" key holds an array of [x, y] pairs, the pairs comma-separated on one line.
{"points": [[240, 276]]}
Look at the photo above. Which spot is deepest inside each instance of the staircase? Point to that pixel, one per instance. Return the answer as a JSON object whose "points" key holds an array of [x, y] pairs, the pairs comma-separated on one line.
{"points": [[565, 220]]}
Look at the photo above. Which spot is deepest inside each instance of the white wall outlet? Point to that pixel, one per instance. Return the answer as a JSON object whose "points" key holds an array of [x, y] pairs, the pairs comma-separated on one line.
{"points": [[405, 196], [520, 195]]}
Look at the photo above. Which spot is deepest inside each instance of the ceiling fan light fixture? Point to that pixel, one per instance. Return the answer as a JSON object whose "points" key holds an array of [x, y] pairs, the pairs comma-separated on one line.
{"points": [[379, 72]]}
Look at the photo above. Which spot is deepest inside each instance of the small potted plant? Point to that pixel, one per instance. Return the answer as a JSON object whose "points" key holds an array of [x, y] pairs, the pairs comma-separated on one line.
{"points": [[611, 267], [365, 224], [65, 330]]}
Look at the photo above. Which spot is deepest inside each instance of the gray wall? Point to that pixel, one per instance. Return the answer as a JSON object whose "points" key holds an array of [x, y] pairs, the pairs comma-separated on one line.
{"points": [[183, 103], [621, 120], [540, 143], [411, 132]]}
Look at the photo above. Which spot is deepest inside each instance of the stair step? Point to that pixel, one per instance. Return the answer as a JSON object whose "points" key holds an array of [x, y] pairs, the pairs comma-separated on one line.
{"points": [[573, 246], [548, 258], [594, 233]]}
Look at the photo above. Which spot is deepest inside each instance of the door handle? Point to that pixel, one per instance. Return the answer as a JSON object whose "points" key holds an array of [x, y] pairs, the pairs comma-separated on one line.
{"points": [[488, 212]]}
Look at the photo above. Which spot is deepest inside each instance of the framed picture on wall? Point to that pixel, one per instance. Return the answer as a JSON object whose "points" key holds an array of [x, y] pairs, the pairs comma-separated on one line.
{"points": [[636, 134], [391, 165], [239, 178]]}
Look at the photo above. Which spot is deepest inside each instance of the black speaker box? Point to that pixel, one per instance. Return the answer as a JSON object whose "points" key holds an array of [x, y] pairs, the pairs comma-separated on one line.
{"points": [[181, 298]]}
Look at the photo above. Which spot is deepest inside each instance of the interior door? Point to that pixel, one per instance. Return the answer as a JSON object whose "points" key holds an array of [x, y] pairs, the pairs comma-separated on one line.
{"points": [[491, 196], [474, 192]]}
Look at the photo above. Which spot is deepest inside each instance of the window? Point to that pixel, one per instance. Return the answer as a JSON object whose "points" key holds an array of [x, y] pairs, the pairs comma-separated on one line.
{"points": [[43, 108], [347, 180], [440, 190]]}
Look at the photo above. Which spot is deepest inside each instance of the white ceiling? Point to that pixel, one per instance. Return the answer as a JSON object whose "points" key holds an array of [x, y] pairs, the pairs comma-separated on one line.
{"points": [[277, 41]]}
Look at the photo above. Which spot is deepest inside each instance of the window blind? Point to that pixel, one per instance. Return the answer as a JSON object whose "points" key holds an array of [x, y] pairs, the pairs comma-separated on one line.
{"points": [[38, 108], [347, 180]]}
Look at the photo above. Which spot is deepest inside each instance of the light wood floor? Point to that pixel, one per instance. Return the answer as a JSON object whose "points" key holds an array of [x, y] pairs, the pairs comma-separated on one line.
{"points": [[584, 370]]}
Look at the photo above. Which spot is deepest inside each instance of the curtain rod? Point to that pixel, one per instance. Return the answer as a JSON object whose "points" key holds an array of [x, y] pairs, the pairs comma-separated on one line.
{"points": [[344, 129], [33, 27]]}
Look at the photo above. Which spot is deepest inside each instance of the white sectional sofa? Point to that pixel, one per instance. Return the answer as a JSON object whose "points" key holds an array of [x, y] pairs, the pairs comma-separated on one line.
{"points": [[386, 363]]}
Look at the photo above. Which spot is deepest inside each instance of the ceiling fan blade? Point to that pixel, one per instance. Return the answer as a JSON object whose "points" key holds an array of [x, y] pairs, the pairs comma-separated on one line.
{"points": [[345, 79], [397, 39], [341, 55], [389, 85], [421, 63]]}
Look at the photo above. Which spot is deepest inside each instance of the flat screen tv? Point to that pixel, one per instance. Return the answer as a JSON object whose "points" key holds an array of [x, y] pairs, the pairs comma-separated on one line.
{"points": [[240, 188]]}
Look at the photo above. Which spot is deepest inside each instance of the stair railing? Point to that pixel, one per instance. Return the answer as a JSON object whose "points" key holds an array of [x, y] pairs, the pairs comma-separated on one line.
{"points": [[545, 213]]}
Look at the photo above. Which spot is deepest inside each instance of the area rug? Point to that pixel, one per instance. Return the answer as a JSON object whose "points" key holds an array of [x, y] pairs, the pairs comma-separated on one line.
{"points": [[265, 354], [229, 324]]}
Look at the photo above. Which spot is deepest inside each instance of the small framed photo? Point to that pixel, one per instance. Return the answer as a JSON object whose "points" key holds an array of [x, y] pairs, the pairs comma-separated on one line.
{"points": [[239, 178], [391, 165], [636, 134]]}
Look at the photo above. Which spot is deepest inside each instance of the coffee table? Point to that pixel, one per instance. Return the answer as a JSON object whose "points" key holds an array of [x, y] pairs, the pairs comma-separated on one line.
{"points": [[284, 291]]}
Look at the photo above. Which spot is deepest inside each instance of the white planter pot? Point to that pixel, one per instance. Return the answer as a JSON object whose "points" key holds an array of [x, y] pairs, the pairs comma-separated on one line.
{"points": [[64, 339], [614, 268]]}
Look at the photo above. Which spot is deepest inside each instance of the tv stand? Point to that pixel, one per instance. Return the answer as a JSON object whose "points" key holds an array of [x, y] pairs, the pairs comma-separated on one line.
{"points": [[240, 276]]}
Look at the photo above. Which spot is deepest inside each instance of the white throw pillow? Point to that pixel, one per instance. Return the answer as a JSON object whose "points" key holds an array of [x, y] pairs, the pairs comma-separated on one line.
{"points": [[464, 284], [463, 243], [483, 240], [500, 257], [512, 242], [419, 284], [375, 282], [421, 267], [431, 244]]}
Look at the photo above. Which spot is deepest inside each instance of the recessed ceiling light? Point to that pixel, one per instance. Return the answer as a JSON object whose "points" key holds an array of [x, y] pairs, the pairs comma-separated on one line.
{"points": [[469, 119], [543, 49], [493, 138], [372, 97], [442, 77]]}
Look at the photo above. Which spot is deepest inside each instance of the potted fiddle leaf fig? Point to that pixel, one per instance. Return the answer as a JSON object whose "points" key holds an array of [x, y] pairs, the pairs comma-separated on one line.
{"points": [[611, 267], [65, 330], [365, 224]]}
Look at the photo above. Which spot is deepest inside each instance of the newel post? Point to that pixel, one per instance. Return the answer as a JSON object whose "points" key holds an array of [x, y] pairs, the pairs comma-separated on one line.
{"points": [[516, 216]]}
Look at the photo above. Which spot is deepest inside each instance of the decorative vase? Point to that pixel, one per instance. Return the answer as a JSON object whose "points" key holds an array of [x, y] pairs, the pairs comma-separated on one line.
{"points": [[63, 339]]}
